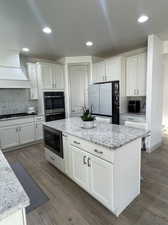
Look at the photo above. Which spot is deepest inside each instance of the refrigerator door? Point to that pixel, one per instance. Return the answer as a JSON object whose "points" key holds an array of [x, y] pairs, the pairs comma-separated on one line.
{"points": [[93, 97], [106, 99]]}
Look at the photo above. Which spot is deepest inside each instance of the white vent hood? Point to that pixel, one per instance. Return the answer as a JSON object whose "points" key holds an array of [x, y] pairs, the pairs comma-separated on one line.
{"points": [[11, 73]]}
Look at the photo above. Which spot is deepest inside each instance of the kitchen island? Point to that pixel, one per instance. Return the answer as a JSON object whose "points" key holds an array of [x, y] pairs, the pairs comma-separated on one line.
{"points": [[13, 199], [104, 160]]}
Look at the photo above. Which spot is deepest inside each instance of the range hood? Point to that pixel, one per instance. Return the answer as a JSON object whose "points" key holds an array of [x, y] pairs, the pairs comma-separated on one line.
{"points": [[12, 75]]}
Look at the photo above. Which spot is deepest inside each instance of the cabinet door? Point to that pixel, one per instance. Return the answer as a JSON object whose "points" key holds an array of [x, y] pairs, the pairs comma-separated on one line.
{"points": [[27, 133], [46, 75], [141, 75], [93, 96], [113, 69], [80, 172], [131, 74], [101, 180], [99, 72], [39, 131], [9, 137], [32, 73], [106, 99], [58, 77]]}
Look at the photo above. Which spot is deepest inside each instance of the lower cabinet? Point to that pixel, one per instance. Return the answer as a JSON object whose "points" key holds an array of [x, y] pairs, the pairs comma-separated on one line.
{"points": [[16, 135], [9, 137], [27, 133], [93, 174], [38, 131], [80, 170], [101, 180], [17, 218]]}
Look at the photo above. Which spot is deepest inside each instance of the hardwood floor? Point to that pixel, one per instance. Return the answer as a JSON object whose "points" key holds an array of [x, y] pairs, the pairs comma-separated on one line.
{"points": [[70, 205]]}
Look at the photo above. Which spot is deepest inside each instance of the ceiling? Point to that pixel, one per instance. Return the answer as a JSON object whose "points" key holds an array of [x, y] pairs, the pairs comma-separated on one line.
{"points": [[110, 24]]}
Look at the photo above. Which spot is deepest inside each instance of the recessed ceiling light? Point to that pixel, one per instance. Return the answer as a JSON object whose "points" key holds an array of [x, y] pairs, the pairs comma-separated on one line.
{"points": [[89, 43], [25, 49], [143, 19], [47, 30]]}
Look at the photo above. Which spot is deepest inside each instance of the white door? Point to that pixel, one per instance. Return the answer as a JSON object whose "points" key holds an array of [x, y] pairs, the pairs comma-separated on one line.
{"points": [[80, 173], [131, 74], [27, 133], [39, 131], [101, 180], [106, 99], [78, 76], [93, 98], [113, 69], [141, 75], [9, 137], [46, 75]]}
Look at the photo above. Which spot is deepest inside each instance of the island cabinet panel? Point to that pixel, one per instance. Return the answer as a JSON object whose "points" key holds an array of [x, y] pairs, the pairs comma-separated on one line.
{"points": [[101, 180], [17, 218], [80, 169]]}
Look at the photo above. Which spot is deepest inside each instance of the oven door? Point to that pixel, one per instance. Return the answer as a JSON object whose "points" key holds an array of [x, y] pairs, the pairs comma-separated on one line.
{"points": [[53, 141]]}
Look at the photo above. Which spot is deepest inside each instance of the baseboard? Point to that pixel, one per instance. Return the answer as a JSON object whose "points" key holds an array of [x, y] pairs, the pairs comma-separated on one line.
{"points": [[155, 147], [22, 146]]}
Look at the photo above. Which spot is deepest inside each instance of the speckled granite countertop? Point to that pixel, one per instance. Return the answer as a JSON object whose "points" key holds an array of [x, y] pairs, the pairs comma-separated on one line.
{"points": [[105, 134], [12, 194]]}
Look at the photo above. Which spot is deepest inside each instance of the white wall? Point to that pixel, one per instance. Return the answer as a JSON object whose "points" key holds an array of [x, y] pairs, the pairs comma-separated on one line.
{"points": [[154, 90], [165, 92]]}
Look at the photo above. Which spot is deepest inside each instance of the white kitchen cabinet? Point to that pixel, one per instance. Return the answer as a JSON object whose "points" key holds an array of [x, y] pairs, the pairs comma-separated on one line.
{"points": [[101, 180], [38, 131], [58, 76], [80, 169], [50, 76], [9, 137], [99, 72], [113, 68], [136, 75], [32, 73], [17, 218], [27, 133]]}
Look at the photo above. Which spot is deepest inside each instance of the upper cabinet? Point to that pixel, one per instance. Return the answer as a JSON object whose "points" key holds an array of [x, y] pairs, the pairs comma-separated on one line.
{"points": [[113, 68], [32, 73], [50, 76], [136, 67], [99, 72], [107, 70]]}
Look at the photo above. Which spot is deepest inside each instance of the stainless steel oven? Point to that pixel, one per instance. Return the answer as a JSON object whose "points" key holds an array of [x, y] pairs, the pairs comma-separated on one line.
{"points": [[53, 141], [54, 106]]}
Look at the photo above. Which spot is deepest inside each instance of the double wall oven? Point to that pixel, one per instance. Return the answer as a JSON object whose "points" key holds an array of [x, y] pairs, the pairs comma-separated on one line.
{"points": [[54, 106]]}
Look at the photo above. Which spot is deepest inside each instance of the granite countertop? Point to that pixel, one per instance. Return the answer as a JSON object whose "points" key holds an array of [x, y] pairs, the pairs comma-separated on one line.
{"points": [[105, 134], [21, 116], [12, 195]]}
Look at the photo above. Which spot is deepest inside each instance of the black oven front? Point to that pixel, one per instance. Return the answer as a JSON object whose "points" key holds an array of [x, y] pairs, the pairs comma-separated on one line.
{"points": [[54, 106], [53, 140]]}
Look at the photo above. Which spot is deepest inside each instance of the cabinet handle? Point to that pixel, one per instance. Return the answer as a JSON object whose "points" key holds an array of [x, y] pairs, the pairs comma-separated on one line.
{"points": [[97, 151], [84, 159], [88, 161], [75, 142]]}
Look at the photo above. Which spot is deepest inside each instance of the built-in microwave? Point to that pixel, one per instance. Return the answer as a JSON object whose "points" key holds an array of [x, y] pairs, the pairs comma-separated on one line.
{"points": [[53, 141]]}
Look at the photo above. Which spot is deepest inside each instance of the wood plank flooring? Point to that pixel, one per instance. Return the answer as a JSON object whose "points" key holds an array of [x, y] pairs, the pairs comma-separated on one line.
{"points": [[70, 205]]}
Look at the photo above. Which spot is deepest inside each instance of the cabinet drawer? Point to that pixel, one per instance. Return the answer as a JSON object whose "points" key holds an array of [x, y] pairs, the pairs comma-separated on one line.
{"points": [[50, 156], [97, 150]]}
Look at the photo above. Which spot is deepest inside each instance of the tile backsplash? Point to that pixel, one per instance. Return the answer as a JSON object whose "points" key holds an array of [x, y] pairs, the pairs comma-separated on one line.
{"points": [[15, 101]]}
